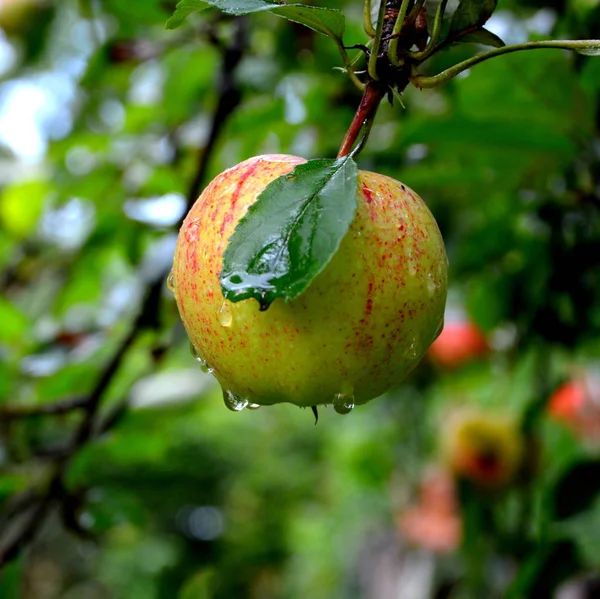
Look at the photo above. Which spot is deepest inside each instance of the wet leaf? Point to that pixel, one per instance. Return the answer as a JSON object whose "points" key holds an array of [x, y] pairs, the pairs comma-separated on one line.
{"points": [[237, 7], [471, 14], [482, 36], [330, 22], [289, 235]]}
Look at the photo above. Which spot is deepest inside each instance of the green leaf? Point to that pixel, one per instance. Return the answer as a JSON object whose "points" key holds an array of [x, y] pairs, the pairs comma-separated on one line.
{"points": [[236, 7], [330, 22], [21, 205], [290, 233], [471, 14], [15, 324], [481, 36], [183, 10]]}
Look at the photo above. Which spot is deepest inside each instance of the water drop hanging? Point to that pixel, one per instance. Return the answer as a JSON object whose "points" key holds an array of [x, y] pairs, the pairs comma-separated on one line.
{"points": [[234, 402], [171, 282], [343, 403], [204, 366]]}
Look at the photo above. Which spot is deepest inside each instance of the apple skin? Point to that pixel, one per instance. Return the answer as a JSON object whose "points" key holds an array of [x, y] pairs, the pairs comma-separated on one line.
{"points": [[358, 329], [459, 343]]}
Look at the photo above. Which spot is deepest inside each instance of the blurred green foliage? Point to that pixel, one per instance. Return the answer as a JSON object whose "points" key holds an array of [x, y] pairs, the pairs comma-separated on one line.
{"points": [[177, 497]]}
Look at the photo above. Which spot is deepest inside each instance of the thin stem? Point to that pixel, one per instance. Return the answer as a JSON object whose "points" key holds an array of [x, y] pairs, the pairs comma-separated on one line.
{"points": [[368, 24], [372, 68], [393, 45], [62, 406], [349, 68], [363, 118], [435, 35], [358, 148], [584, 47]]}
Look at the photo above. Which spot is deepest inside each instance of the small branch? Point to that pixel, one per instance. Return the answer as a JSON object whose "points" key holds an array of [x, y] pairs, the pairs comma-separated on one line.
{"points": [[368, 24], [588, 47], [63, 406], [228, 100], [364, 116], [435, 35], [372, 68], [25, 519], [396, 32]]}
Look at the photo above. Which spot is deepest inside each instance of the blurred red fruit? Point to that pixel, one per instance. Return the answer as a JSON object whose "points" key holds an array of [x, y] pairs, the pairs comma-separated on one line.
{"points": [[458, 343], [576, 404], [434, 522], [482, 446]]}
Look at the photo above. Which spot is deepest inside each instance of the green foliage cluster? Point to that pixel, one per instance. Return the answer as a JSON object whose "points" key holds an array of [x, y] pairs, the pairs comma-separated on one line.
{"points": [[155, 490]]}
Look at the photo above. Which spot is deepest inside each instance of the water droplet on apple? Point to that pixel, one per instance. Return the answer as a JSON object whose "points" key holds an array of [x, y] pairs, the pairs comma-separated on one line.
{"points": [[225, 315], [413, 350], [203, 363], [431, 284], [343, 403], [234, 402], [410, 258], [192, 229], [171, 282]]}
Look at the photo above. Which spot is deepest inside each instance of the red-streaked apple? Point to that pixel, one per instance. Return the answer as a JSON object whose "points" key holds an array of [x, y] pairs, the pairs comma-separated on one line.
{"points": [[358, 329]]}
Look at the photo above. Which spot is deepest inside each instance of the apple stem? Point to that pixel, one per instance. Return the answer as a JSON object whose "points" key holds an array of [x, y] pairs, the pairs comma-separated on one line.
{"points": [[363, 119]]}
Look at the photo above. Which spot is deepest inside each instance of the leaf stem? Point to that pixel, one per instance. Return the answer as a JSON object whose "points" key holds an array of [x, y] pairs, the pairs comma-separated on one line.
{"points": [[435, 35], [393, 45], [372, 68], [363, 119], [348, 66], [582, 46], [368, 24]]}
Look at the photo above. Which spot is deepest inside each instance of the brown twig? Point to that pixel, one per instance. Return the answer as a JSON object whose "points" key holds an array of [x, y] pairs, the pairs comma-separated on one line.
{"points": [[62, 406], [26, 520]]}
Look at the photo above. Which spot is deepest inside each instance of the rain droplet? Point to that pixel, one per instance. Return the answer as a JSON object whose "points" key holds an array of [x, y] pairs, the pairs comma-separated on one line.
{"points": [[225, 315], [253, 406], [343, 403], [171, 282], [203, 363], [412, 351], [431, 284], [234, 402], [192, 229]]}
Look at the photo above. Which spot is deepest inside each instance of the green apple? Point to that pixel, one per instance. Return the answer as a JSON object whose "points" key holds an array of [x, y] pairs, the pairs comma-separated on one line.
{"points": [[362, 324]]}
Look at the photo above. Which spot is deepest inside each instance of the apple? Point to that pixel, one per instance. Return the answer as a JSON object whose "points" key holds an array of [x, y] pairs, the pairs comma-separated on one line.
{"points": [[576, 404], [459, 343], [434, 522], [357, 330], [483, 446]]}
